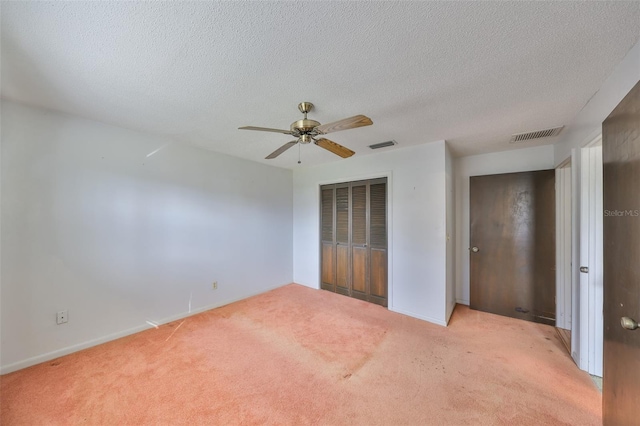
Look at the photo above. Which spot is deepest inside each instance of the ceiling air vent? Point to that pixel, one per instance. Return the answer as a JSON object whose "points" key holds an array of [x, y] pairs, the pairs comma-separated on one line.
{"points": [[538, 134], [383, 144]]}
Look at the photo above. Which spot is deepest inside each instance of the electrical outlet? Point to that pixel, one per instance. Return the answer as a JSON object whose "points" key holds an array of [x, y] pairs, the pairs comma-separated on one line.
{"points": [[215, 285], [62, 317]]}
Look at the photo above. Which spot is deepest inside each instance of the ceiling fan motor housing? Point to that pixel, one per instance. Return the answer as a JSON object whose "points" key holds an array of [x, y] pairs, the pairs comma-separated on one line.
{"points": [[304, 126]]}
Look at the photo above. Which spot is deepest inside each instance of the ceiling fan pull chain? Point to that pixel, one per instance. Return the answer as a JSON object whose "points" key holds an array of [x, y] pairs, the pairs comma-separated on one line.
{"points": [[299, 162]]}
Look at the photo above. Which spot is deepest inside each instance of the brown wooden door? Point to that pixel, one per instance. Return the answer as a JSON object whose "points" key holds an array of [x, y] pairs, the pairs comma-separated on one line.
{"points": [[512, 217], [621, 157], [354, 239]]}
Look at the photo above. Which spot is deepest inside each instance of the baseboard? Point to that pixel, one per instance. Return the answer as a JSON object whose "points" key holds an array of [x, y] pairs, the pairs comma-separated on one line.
{"points": [[462, 302], [104, 339], [71, 349], [421, 317]]}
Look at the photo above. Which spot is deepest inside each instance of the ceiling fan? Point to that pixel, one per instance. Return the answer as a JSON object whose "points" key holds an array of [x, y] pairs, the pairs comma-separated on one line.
{"points": [[306, 130]]}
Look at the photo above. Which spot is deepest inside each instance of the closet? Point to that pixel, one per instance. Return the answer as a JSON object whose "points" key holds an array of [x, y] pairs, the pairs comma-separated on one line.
{"points": [[353, 239]]}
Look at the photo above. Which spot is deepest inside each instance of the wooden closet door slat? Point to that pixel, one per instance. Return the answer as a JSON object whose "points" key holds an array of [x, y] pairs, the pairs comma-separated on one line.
{"points": [[327, 215], [342, 215], [378, 213]]}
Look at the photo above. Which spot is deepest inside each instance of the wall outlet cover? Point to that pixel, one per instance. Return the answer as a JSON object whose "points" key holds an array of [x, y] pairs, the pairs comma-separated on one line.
{"points": [[62, 317]]}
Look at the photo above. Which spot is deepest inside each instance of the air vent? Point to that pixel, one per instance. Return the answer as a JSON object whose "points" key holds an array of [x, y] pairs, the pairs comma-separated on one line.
{"points": [[383, 144], [538, 134]]}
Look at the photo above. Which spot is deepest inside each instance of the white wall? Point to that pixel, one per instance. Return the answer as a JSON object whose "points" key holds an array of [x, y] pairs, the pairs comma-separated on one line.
{"points": [[416, 217], [588, 123], [92, 224], [520, 160]]}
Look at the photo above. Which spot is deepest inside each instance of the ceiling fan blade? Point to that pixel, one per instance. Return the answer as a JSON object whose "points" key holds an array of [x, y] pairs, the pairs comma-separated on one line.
{"points": [[280, 150], [334, 147], [347, 123], [265, 129]]}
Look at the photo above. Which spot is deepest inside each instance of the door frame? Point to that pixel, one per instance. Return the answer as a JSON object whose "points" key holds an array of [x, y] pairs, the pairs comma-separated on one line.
{"points": [[354, 178], [586, 250], [564, 244], [591, 255]]}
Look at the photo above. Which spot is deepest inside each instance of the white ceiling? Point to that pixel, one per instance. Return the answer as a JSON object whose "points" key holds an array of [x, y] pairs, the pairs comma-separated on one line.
{"points": [[471, 73]]}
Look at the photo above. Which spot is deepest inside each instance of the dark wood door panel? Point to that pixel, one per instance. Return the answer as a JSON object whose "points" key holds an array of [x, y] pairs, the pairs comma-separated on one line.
{"points": [[342, 266], [512, 217], [379, 273], [621, 231], [359, 270], [328, 271]]}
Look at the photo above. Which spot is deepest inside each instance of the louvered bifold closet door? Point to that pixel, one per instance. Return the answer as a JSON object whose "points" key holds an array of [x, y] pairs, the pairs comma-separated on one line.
{"points": [[354, 239]]}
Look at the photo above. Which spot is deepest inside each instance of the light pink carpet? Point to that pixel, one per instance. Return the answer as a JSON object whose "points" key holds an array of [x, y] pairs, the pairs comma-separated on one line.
{"points": [[301, 356]]}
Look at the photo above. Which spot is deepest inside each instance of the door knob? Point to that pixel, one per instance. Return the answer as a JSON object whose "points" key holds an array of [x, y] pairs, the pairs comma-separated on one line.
{"points": [[474, 249], [628, 323]]}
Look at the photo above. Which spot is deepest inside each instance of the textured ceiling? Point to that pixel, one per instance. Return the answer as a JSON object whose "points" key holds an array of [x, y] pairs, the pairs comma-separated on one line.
{"points": [[471, 73]]}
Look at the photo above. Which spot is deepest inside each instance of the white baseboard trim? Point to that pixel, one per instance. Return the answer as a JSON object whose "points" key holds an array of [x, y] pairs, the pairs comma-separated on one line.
{"points": [[5, 369], [421, 317], [462, 302]]}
